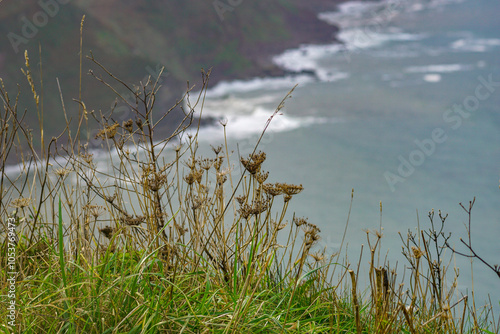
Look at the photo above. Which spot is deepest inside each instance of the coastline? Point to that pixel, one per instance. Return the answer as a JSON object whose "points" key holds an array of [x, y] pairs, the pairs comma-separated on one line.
{"points": [[307, 29], [301, 24]]}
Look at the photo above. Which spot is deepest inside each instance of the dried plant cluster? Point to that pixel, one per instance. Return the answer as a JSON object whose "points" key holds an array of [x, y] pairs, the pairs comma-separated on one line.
{"points": [[154, 238]]}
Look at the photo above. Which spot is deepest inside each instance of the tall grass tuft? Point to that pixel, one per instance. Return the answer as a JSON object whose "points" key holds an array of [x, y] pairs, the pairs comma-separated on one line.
{"points": [[131, 230]]}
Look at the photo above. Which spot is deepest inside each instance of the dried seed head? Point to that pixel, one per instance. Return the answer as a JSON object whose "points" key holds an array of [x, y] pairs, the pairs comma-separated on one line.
{"points": [[261, 176], [197, 202], [253, 163], [108, 132], [20, 203], [95, 210], [180, 228], [138, 121], [251, 167], [216, 149], [299, 221], [241, 199], [206, 163], [259, 157], [190, 163], [107, 231], [128, 125], [194, 176], [154, 181], [218, 163], [291, 189], [272, 189], [87, 157], [318, 256], [110, 199], [62, 172], [312, 226], [256, 208], [311, 234], [259, 206], [280, 226], [131, 221], [417, 252], [221, 178], [245, 210]]}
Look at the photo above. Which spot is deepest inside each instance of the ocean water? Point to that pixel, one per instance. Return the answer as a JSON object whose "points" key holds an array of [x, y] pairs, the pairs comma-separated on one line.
{"points": [[406, 112]]}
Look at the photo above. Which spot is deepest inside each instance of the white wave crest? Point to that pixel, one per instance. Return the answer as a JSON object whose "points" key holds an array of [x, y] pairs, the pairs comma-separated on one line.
{"points": [[439, 68], [225, 88]]}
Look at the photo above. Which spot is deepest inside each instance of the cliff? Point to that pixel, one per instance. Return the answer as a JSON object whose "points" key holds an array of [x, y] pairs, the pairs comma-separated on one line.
{"points": [[135, 39]]}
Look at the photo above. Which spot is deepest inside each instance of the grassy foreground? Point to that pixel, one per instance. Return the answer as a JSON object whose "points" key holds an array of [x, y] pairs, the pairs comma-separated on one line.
{"points": [[151, 237]]}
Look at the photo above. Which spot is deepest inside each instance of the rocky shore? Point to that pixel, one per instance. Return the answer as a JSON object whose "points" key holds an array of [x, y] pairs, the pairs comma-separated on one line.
{"points": [[135, 39], [304, 27]]}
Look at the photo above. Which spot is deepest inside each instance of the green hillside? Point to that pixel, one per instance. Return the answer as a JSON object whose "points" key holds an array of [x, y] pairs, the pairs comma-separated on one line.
{"points": [[136, 38]]}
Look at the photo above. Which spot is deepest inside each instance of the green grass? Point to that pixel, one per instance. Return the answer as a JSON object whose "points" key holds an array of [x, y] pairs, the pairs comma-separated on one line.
{"points": [[168, 241]]}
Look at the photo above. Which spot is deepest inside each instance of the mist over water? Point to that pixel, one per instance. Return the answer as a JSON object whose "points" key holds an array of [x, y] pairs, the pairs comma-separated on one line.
{"points": [[396, 114]]}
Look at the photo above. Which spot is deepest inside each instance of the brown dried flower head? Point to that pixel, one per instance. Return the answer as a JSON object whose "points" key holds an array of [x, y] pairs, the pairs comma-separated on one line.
{"points": [[272, 189], [20, 203], [262, 176], [131, 221], [87, 157], [279, 227], [181, 229], [197, 202], [108, 132], [107, 231], [216, 149], [253, 163], [194, 176], [311, 234], [317, 256], [241, 199], [95, 210], [299, 221], [155, 181], [110, 199], [256, 208], [218, 163], [139, 123], [206, 163], [62, 172], [245, 210], [417, 252], [259, 206], [221, 178], [128, 125], [190, 163], [291, 189]]}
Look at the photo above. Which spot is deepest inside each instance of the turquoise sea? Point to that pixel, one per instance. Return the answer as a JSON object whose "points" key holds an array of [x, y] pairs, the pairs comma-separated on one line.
{"points": [[406, 112]]}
